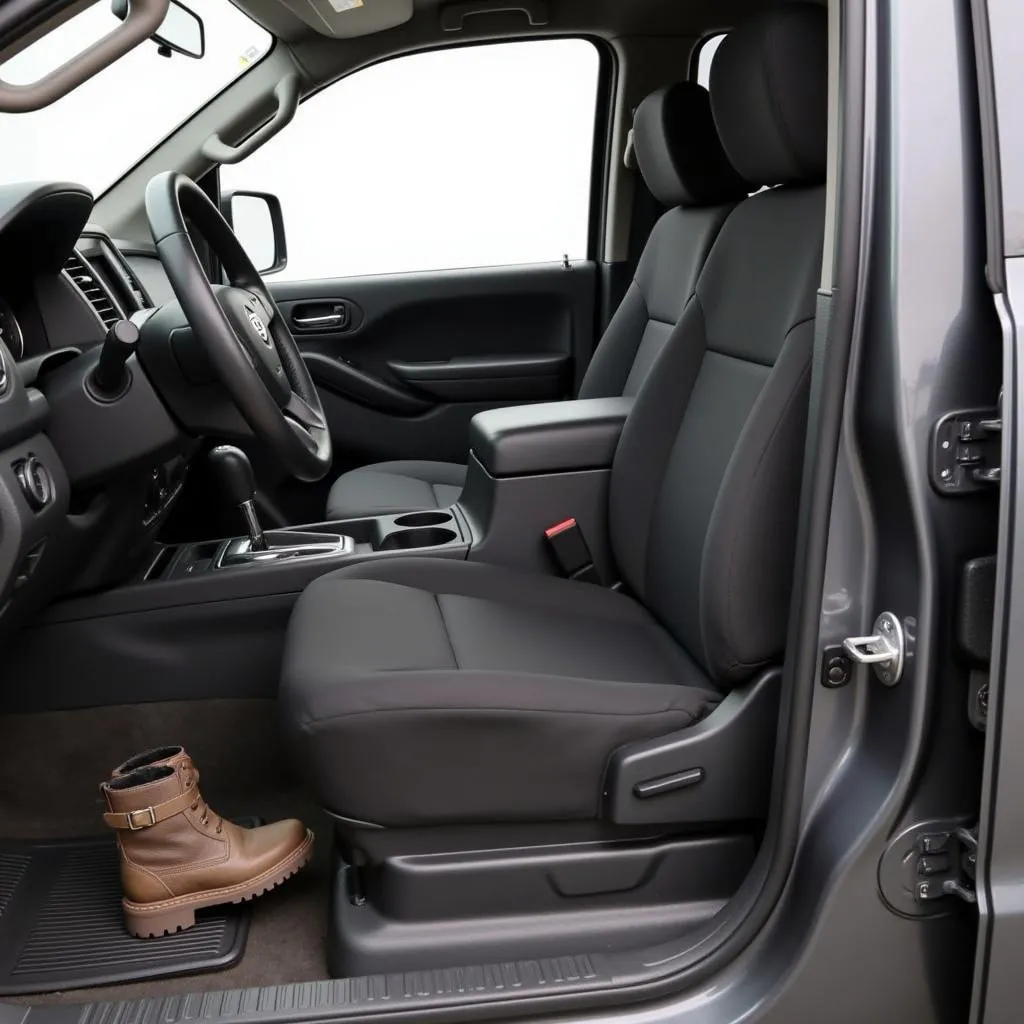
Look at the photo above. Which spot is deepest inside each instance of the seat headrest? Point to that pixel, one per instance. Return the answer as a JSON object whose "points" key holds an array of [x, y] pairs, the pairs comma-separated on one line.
{"points": [[769, 95], [678, 150]]}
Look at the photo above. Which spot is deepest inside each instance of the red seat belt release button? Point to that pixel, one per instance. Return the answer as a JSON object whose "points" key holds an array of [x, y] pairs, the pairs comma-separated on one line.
{"points": [[570, 550]]}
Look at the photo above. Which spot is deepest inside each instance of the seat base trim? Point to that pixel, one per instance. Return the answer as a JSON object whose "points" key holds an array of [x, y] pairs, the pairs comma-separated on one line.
{"points": [[426, 911]]}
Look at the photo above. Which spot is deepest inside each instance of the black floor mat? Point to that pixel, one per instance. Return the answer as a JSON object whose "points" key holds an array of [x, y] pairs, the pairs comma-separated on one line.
{"points": [[61, 925]]}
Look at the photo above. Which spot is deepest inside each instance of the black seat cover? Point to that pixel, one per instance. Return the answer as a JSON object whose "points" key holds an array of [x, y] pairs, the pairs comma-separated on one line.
{"points": [[685, 167], [425, 691]]}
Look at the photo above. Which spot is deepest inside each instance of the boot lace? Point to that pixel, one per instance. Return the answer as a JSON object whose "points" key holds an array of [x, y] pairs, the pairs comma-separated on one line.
{"points": [[192, 782]]}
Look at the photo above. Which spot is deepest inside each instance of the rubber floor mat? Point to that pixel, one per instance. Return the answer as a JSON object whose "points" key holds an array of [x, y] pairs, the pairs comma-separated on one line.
{"points": [[61, 925]]}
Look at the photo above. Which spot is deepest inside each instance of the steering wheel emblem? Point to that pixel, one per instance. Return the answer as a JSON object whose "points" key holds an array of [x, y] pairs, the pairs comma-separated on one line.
{"points": [[257, 324]]}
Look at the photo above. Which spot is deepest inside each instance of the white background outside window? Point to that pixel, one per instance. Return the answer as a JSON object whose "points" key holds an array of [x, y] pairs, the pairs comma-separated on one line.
{"points": [[474, 156], [708, 49], [99, 130]]}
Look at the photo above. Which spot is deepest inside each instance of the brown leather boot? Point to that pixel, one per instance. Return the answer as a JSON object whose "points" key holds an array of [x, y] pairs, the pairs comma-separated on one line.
{"points": [[155, 755], [178, 855]]}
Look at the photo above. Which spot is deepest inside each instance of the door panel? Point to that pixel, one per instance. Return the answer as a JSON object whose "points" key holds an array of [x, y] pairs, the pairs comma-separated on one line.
{"points": [[404, 361]]}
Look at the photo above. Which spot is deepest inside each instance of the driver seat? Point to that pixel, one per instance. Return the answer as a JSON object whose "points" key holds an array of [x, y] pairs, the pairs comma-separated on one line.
{"points": [[684, 167], [422, 692]]}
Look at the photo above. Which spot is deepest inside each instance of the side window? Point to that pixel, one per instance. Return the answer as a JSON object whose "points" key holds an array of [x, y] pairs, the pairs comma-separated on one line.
{"points": [[475, 156], [705, 56]]}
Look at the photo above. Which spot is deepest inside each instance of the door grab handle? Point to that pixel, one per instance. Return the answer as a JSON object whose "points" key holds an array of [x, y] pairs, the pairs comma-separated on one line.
{"points": [[319, 321]]}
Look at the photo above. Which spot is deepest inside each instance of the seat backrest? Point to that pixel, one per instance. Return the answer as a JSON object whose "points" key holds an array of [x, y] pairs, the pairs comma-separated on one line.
{"points": [[684, 166], [706, 479]]}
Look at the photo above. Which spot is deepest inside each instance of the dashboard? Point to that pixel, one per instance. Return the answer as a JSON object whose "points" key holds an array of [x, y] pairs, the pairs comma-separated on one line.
{"points": [[11, 335], [65, 282]]}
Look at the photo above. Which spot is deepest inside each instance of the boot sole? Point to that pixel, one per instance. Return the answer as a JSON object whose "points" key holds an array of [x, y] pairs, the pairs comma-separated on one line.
{"points": [[149, 920]]}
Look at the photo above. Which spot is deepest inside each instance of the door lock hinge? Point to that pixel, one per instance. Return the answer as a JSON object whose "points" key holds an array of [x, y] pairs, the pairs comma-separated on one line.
{"points": [[885, 650], [947, 865], [925, 863], [967, 451]]}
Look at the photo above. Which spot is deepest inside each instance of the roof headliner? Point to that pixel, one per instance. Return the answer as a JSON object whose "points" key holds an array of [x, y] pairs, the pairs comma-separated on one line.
{"points": [[607, 18]]}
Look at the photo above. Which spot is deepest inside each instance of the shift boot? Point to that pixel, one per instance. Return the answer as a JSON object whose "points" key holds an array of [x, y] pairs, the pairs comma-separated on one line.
{"points": [[178, 855]]}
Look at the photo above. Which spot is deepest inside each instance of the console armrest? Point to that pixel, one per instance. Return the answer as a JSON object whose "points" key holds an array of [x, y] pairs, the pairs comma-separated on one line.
{"points": [[552, 437]]}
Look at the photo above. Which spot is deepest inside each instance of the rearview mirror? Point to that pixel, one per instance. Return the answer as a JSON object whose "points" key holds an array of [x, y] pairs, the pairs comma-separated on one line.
{"points": [[181, 31], [256, 219]]}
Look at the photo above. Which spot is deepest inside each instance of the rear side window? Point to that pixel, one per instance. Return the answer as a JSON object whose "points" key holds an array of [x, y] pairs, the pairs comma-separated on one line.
{"points": [[705, 57], [465, 157]]}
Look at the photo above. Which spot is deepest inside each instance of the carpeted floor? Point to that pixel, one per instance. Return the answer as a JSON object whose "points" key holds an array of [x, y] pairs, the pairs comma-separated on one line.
{"points": [[52, 766]]}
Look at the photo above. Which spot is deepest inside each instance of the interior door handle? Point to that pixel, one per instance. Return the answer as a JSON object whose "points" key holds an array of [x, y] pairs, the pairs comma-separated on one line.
{"points": [[323, 315], [329, 320]]}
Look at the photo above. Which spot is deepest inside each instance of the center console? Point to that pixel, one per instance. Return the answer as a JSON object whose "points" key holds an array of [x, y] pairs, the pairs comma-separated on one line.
{"points": [[534, 466], [303, 548], [208, 619], [317, 548]]}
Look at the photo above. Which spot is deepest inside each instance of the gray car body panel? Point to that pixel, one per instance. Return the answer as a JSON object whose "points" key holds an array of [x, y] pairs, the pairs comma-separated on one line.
{"points": [[999, 985]]}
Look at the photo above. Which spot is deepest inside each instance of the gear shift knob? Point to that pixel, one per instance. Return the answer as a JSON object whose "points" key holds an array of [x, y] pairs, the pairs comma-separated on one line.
{"points": [[239, 485], [235, 471]]}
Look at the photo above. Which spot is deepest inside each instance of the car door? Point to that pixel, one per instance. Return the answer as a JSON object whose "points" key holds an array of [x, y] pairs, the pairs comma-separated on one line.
{"points": [[438, 213], [998, 983]]}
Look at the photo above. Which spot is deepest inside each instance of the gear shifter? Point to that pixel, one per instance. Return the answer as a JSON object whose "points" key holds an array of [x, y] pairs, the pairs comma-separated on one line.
{"points": [[239, 485], [235, 470]]}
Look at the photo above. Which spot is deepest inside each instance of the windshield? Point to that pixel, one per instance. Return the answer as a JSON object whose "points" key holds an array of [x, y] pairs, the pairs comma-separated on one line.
{"points": [[101, 129]]}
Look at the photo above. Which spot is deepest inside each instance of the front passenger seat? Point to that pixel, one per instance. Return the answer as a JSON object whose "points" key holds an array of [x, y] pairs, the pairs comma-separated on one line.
{"points": [[426, 692], [685, 168]]}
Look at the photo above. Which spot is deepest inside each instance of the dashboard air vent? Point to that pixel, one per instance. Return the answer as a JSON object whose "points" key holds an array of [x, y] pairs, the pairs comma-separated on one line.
{"points": [[91, 287]]}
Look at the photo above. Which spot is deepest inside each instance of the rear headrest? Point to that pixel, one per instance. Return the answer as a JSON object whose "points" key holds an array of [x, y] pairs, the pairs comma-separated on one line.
{"points": [[769, 88], [678, 150]]}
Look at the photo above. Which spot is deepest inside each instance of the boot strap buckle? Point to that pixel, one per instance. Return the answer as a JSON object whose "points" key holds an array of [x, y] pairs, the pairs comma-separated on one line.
{"points": [[150, 812]]}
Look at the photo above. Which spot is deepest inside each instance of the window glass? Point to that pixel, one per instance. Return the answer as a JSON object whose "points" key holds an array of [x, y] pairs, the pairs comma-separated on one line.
{"points": [[473, 156], [98, 131]]}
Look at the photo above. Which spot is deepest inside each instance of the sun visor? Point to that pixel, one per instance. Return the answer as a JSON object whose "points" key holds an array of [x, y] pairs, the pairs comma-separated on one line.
{"points": [[343, 19]]}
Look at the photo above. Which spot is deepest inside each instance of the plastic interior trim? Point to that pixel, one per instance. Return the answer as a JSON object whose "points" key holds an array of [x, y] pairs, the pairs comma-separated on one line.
{"points": [[145, 18], [453, 16], [287, 93], [694, 775]]}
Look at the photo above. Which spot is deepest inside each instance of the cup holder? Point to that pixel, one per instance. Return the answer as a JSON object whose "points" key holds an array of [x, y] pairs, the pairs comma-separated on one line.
{"points": [[424, 537], [424, 519]]}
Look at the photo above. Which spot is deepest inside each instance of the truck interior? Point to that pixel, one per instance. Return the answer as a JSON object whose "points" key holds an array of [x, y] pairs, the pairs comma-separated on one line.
{"points": [[520, 614]]}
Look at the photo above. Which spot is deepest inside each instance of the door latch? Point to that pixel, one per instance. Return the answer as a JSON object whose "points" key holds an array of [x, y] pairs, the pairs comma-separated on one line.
{"points": [[947, 863], [966, 451], [925, 863], [885, 650]]}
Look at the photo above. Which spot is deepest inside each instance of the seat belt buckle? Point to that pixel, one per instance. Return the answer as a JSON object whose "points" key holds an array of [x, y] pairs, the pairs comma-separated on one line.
{"points": [[569, 547]]}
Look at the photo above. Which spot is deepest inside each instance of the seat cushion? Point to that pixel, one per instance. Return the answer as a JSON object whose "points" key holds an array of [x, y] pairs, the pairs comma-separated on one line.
{"points": [[427, 691], [391, 487]]}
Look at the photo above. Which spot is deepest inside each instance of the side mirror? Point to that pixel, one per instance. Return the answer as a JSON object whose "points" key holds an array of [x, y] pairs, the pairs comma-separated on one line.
{"points": [[182, 30], [256, 219]]}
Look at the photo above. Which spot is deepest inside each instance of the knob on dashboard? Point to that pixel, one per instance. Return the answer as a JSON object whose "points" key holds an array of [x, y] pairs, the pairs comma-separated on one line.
{"points": [[35, 482]]}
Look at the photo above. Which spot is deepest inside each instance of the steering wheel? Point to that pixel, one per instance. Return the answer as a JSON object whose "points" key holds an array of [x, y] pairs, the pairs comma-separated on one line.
{"points": [[240, 327]]}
